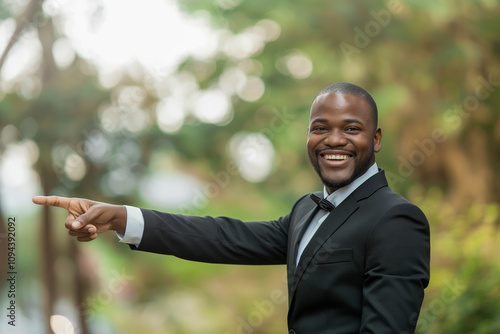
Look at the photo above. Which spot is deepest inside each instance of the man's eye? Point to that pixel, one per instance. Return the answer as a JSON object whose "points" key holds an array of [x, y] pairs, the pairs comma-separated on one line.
{"points": [[319, 129], [352, 128]]}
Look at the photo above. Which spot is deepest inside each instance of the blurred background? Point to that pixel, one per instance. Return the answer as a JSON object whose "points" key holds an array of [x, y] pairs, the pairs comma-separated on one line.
{"points": [[201, 107]]}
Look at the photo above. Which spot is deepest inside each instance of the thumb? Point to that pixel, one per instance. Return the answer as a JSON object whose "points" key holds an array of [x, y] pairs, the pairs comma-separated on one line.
{"points": [[84, 219]]}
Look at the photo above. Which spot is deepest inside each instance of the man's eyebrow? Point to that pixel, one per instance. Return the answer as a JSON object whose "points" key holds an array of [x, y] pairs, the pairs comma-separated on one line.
{"points": [[353, 120], [319, 120], [347, 120]]}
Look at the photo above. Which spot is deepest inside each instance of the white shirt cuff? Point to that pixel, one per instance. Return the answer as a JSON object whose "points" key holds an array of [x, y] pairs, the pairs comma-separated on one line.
{"points": [[135, 227]]}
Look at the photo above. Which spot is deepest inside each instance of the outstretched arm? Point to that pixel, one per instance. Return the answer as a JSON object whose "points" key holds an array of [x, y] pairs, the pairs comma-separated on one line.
{"points": [[86, 219]]}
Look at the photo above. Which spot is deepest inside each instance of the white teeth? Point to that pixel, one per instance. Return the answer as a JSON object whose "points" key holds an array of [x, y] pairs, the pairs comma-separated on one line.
{"points": [[335, 157]]}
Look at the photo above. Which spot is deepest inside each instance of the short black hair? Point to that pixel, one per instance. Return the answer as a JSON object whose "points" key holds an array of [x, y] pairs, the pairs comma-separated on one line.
{"points": [[351, 89]]}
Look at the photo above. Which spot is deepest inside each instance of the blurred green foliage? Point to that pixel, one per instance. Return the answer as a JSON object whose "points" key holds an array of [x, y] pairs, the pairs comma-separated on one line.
{"points": [[432, 67]]}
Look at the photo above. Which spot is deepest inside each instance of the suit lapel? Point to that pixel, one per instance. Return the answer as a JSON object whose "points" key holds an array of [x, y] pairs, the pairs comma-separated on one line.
{"points": [[335, 220], [297, 233]]}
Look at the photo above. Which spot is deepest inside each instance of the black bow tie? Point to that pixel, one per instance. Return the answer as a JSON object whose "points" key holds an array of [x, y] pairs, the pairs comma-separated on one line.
{"points": [[323, 203]]}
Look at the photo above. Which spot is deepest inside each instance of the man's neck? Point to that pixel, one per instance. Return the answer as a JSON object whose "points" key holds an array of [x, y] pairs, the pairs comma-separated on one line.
{"points": [[340, 194]]}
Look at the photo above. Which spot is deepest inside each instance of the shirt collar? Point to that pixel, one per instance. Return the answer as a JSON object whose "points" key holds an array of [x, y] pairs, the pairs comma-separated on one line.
{"points": [[342, 193]]}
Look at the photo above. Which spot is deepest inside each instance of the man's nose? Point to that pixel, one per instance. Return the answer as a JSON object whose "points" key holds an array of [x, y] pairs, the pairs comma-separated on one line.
{"points": [[336, 138]]}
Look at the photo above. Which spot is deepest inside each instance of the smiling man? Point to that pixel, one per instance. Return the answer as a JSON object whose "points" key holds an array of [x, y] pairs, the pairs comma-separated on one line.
{"points": [[343, 134], [357, 254]]}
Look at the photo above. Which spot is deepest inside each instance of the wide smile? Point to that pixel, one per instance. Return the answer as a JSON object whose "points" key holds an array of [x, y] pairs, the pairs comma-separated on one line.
{"points": [[335, 159]]}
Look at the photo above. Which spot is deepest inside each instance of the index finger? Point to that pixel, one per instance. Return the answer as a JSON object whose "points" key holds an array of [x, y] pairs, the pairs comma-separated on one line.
{"points": [[62, 202]]}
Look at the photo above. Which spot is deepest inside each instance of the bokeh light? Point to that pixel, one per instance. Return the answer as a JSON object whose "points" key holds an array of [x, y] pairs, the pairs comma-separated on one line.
{"points": [[212, 106], [271, 29], [296, 64], [61, 325], [252, 89], [112, 42], [171, 190], [74, 167], [254, 154], [170, 115], [96, 146], [232, 80], [63, 52]]}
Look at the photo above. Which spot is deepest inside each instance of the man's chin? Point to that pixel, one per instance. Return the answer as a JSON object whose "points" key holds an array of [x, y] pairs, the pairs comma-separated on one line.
{"points": [[337, 182]]}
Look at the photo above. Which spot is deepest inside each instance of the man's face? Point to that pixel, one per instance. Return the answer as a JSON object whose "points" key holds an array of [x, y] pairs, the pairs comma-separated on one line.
{"points": [[342, 139]]}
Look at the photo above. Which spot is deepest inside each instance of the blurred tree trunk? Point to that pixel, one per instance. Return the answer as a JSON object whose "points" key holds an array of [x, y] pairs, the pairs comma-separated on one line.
{"points": [[48, 181], [47, 254], [49, 74], [27, 17], [81, 285], [22, 21]]}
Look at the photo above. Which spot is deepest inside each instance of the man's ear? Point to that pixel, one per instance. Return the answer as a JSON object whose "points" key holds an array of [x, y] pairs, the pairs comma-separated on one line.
{"points": [[377, 140]]}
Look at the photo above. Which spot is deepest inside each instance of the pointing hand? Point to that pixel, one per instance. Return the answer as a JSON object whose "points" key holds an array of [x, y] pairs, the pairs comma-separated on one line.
{"points": [[86, 219]]}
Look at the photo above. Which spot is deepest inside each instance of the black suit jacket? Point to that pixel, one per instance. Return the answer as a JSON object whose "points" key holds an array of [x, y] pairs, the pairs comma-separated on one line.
{"points": [[364, 270]]}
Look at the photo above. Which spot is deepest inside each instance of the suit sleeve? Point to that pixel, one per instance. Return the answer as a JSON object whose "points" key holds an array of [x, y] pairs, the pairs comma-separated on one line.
{"points": [[215, 239], [396, 272]]}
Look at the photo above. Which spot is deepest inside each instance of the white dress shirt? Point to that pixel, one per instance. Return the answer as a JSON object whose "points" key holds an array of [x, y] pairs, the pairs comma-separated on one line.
{"points": [[135, 221], [135, 227]]}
